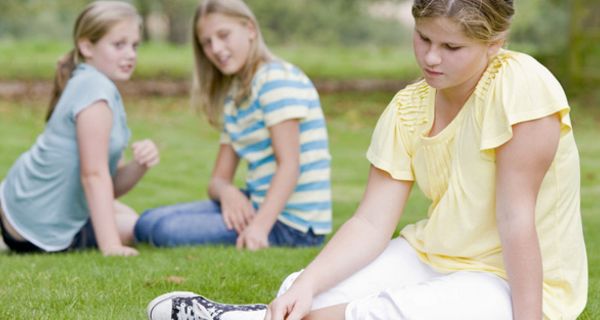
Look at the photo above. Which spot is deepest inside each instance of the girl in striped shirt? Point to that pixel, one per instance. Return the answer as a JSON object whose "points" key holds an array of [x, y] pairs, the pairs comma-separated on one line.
{"points": [[270, 116]]}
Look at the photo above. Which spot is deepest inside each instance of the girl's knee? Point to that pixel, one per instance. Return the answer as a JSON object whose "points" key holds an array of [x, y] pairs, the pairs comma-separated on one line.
{"points": [[163, 232], [123, 209], [126, 222], [149, 217], [143, 226], [152, 222]]}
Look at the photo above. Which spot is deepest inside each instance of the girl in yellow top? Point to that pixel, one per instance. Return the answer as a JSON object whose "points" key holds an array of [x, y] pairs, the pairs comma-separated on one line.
{"points": [[487, 137]]}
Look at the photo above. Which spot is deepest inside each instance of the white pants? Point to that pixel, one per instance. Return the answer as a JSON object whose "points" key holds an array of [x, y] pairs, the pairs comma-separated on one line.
{"points": [[397, 285]]}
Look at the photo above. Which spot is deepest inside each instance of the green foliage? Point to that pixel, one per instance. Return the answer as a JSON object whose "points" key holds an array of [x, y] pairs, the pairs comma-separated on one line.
{"points": [[339, 22], [537, 24], [564, 35], [344, 22], [38, 19], [584, 45], [541, 26], [314, 34]]}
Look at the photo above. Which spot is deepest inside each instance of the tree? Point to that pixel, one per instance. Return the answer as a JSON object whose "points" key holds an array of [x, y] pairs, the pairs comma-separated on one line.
{"points": [[180, 14], [584, 43]]}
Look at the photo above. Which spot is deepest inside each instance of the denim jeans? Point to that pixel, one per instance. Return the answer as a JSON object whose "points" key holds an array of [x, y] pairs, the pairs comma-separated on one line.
{"points": [[201, 222]]}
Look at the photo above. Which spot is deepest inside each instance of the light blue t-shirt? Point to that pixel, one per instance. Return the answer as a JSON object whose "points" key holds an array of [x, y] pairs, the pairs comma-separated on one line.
{"points": [[42, 195]]}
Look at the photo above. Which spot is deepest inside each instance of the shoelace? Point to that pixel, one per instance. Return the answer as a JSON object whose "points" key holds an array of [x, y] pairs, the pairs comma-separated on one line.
{"points": [[205, 313], [195, 310], [199, 308]]}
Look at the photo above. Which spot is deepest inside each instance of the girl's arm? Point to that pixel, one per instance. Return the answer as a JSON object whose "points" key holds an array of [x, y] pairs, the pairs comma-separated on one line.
{"points": [[521, 164], [358, 242], [145, 156], [285, 137], [93, 132], [236, 208]]}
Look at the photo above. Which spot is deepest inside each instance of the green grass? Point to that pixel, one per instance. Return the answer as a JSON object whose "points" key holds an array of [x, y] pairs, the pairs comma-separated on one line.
{"points": [[36, 60], [88, 286]]}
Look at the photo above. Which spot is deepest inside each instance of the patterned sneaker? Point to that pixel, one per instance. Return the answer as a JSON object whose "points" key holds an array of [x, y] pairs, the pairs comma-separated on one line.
{"points": [[182, 305]]}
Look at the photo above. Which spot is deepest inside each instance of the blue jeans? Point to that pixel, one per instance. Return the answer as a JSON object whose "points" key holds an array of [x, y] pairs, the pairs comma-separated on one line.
{"points": [[201, 222]]}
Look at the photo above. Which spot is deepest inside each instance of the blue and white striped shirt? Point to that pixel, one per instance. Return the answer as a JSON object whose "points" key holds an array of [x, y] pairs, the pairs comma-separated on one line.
{"points": [[281, 92]]}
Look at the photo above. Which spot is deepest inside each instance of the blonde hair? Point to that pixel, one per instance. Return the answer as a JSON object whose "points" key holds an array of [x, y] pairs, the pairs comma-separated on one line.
{"points": [[92, 24], [483, 20], [210, 85]]}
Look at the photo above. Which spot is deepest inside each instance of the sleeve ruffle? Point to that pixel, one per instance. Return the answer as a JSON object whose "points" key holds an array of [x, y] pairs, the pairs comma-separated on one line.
{"points": [[522, 90]]}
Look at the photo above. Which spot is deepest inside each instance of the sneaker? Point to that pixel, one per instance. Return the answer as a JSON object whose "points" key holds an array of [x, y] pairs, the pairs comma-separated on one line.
{"points": [[182, 305]]}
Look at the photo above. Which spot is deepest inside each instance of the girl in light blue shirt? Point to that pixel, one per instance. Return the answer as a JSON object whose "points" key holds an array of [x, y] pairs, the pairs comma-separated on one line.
{"points": [[60, 194]]}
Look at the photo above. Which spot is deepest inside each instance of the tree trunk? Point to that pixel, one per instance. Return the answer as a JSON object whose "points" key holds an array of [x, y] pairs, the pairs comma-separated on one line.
{"points": [[584, 43]]}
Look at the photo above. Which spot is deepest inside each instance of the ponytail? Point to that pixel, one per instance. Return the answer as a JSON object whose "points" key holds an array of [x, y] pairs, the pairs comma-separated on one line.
{"points": [[64, 67]]}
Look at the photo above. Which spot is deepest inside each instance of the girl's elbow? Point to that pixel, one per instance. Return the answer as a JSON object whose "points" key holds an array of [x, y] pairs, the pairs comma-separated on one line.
{"points": [[291, 166], [295, 172], [514, 226], [91, 175]]}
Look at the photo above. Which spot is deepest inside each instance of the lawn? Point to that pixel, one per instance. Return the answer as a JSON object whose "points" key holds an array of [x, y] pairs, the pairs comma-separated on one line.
{"points": [[35, 60], [88, 286]]}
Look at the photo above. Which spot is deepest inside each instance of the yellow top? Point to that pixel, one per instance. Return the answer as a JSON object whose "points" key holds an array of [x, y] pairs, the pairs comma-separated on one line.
{"points": [[456, 170]]}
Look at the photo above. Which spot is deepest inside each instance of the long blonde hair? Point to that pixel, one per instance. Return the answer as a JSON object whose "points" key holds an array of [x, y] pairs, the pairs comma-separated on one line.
{"points": [[210, 85], [483, 20], [92, 24]]}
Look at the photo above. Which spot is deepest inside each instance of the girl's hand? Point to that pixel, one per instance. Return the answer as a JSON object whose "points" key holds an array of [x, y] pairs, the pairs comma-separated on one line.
{"points": [[237, 209], [253, 238], [120, 251], [292, 305], [145, 153]]}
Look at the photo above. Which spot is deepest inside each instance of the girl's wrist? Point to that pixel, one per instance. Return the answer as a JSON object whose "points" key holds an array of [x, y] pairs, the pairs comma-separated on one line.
{"points": [[227, 189], [305, 283], [142, 168], [263, 222]]}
